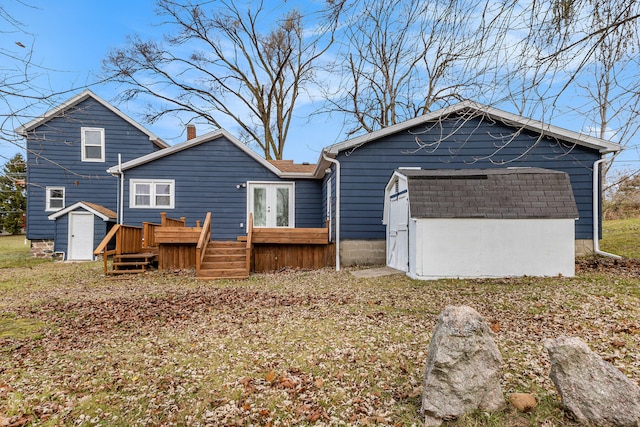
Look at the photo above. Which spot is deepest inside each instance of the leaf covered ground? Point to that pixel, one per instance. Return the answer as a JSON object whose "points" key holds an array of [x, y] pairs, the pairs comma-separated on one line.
{"points": [[293, 348]]}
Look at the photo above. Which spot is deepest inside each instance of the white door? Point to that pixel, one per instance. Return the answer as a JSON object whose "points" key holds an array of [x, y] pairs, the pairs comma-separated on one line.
{"points": [[80, 236], [398, 232], [271, 204], [329, 208]]}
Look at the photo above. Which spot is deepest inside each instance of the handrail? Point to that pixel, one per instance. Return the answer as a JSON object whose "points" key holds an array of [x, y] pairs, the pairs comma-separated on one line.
{"points": [[101, 247], [249, 242], [203, 241]]}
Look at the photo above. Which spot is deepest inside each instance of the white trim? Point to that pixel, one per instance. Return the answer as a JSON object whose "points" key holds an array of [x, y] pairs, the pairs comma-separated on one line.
{"points": [[75, 206], [83, 144], [39, 121], [197, 141], [292, 199], [603, 146], [47, 206], [152, 196]]}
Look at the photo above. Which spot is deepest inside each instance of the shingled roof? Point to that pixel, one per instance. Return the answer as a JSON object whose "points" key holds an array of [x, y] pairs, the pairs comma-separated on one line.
{"points": [[513, 193]]}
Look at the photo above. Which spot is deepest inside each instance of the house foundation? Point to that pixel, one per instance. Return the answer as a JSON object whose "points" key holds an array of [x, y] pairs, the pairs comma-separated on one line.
{"points": [[42, 248], [363, 252]]}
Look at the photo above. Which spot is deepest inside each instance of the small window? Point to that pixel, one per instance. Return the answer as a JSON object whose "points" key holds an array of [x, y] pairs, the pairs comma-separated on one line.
{"points": [[152, 194], [55, 198], [92, 144]]}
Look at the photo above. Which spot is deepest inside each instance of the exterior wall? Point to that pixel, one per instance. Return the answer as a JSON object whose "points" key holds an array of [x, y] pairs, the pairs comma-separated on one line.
{"points": [[54, 159], [473, 248], [584, 247], [366, 170], [206, 179], [42, 248], [362, 252], [61, 224]]}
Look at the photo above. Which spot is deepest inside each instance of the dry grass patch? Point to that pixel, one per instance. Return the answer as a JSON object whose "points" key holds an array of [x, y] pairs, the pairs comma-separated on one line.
{"points": [[305, 348]]}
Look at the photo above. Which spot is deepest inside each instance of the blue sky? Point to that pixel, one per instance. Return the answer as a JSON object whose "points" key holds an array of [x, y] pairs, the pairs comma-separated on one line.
{"points": [[70, 38]]}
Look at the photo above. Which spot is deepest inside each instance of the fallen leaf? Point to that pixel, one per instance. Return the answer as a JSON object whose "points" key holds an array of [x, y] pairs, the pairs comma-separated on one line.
{"points": [[270, 376], [319, 382]]}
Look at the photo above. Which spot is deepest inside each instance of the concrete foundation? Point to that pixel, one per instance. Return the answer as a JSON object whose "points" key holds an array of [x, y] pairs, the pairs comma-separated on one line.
{"points": [[373, 252], [584, 247], [363, 252]]}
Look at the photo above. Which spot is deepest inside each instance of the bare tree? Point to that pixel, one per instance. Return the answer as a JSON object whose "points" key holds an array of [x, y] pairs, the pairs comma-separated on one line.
{"points": [[402, 57], [227, 63]]}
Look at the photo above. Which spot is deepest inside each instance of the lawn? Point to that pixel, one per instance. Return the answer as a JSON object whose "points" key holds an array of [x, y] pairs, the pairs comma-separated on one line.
{"points": [[293, 348]]}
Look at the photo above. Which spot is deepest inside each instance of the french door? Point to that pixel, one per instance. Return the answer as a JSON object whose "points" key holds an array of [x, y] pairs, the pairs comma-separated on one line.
{"points": [[272, 204]]}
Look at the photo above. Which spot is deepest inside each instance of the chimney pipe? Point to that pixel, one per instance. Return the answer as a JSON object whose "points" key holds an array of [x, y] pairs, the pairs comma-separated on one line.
{"points": [[191, 131]]}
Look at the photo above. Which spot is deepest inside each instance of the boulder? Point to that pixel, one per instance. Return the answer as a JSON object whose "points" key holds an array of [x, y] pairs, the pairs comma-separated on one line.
{"points": [[463, 367], [592, 390]]}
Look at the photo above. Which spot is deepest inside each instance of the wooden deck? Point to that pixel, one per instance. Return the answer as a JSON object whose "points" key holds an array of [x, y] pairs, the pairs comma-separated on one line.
{"points": [[174, 246]]}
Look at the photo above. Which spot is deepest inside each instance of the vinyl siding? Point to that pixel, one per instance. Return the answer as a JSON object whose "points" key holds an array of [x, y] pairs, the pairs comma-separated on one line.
{"points": [[54, 159], [61, 226], [475, 144], [206, 178]]}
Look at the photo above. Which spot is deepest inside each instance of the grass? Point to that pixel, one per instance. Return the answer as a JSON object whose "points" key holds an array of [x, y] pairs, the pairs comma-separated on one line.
{"points": [[294, 348], [622, 237], [15, 252]]}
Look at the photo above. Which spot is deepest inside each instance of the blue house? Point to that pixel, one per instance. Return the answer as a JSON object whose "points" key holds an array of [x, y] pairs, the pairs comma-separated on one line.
{"points": [[465, 135], [69, 149], [74, 171]]}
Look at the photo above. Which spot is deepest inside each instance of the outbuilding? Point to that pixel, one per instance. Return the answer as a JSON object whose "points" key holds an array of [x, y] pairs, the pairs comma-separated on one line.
{"points": [[475, 223], [79, 228]]}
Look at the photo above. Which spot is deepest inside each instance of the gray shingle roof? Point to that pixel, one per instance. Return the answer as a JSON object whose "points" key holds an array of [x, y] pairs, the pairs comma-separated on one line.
{"points": [[513, 193]]}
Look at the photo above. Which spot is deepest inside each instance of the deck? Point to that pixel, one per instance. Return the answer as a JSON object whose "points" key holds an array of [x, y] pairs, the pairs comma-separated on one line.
{"points": [[171, 245]]}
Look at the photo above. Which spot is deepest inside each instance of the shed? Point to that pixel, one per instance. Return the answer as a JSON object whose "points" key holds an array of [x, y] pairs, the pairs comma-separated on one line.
{"points": [[79, 228], [476, 223]]}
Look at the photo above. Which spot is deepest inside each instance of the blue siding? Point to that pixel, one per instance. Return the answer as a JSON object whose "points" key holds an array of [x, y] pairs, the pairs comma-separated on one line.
{"points": [[61, 227], [473, 144], [54, 159], [206, 176]]}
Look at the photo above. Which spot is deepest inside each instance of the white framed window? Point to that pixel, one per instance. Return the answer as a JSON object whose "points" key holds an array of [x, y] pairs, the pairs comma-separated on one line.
{"points": [[152, 194], [272, 204], [92, 144], [55, 198]]}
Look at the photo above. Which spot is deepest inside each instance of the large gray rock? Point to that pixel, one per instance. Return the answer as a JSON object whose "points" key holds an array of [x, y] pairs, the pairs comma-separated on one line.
{"points": [[594, 391], [463, 367]]}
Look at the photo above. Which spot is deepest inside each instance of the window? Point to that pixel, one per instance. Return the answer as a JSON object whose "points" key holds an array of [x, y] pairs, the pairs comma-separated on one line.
{"points": [[271, 204], [55, 198], [92, 144], [152, 194]]}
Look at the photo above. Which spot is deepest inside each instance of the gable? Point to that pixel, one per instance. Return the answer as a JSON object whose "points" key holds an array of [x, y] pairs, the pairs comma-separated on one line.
{"points": [[519, 193], [73, 104]]}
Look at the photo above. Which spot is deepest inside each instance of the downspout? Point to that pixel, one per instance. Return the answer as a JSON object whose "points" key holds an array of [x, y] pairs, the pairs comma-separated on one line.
{"points": [[596, 211], [121, 202], [337, 163]]}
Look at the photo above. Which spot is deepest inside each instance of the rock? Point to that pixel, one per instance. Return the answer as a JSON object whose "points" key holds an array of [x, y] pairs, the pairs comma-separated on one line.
{"points": [[463, 367], [592, 390], [523, 402]]}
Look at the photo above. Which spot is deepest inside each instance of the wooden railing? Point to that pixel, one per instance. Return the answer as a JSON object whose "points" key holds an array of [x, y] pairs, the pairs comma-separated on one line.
{"points": [[149, 234], [170, 222], [249, 241], [298, 236], [128, 241], [203, 241]]}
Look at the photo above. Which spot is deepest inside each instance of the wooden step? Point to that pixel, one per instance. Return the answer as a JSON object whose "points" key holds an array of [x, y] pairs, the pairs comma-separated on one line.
{"points": [[224, 260], [130, 271], [226, 273]]}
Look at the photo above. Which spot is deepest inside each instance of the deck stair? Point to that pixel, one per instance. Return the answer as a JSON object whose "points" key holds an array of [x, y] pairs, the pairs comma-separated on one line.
{"points": [[224, 260], [132, 263]]}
